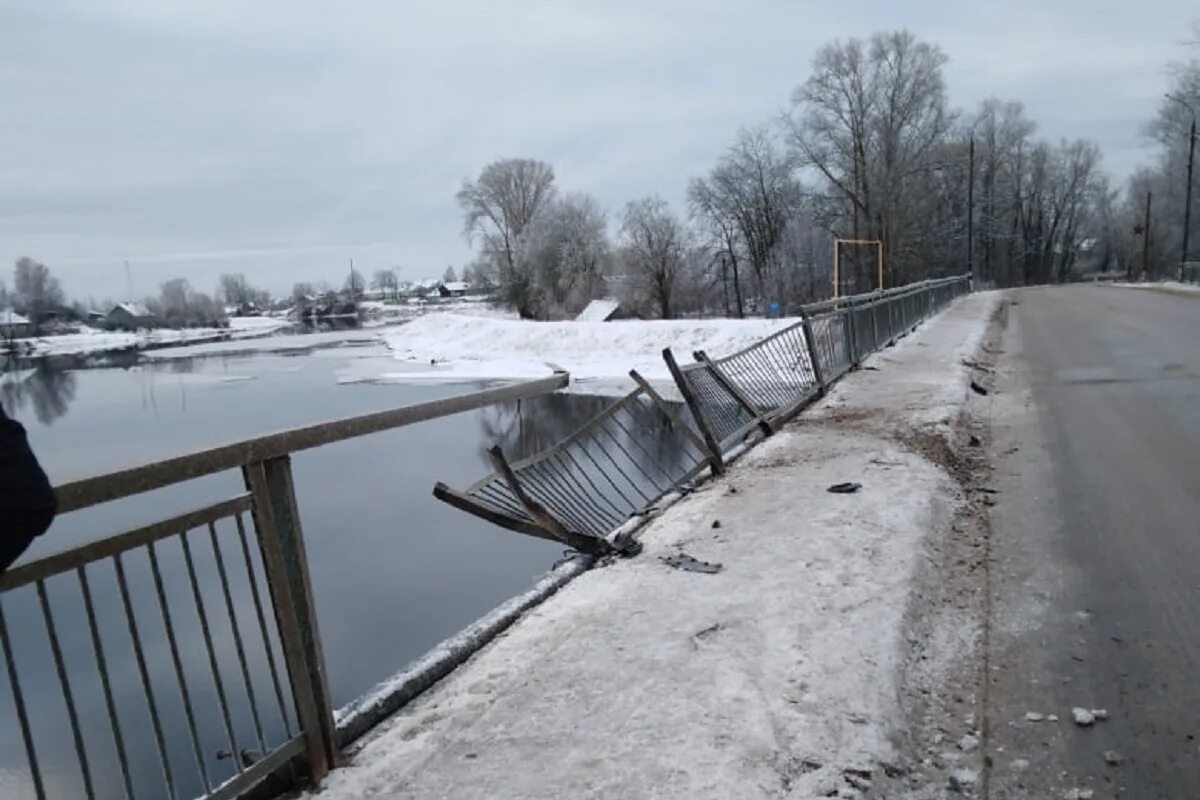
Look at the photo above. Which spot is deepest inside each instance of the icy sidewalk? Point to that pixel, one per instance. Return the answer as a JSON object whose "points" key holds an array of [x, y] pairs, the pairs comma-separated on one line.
{"points": [[780, 675]]}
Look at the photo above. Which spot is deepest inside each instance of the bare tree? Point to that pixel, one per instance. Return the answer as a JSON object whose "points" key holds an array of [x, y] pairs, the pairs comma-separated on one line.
{"points": [[746, 202], [450, 276], [870, 120], [35, 290], [498, 210], [570, 253], [385, 281], [652, 249]]}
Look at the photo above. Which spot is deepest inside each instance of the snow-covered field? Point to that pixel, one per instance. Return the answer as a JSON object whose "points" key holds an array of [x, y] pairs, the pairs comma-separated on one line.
{"points": [[782, 675], [599, 355]]}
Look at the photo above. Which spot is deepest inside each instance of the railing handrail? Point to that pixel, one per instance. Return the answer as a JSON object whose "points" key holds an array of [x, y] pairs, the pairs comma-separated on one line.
{"points": [[90, 491]]}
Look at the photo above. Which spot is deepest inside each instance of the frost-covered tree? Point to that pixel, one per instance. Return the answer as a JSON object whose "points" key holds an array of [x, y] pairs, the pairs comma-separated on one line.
{"points": [[570, 253], [35, 290], [870, 121], [499, 208], [652, 247]]}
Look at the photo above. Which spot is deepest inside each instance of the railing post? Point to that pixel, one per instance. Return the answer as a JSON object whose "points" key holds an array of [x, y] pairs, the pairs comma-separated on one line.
{"points": [[285, 561], [735, 391], [716, 460], [811, 339]]}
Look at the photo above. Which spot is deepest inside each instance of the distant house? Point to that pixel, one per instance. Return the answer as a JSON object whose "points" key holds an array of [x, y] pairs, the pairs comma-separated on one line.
{"points": [[96, 317], [13, 325], [453, 288], [130, 316]]}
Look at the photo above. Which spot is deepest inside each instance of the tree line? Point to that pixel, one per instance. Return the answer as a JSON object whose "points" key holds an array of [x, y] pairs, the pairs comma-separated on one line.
{"points": [[868, 149], [1145, 221]]}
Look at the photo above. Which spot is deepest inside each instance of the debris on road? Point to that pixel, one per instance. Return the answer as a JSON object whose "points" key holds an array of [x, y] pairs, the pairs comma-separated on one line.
{"points": [[1100, 713], [979, 388], [849, 487], [685, 562], [716, 523], [1079, 794], [1113, 758], [968, 743], [962, 780], [1033, 716], [1083, 718]]}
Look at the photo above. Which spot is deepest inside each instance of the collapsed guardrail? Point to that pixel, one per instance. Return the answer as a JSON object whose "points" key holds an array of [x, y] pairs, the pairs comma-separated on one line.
{"points": [[582, 490]]}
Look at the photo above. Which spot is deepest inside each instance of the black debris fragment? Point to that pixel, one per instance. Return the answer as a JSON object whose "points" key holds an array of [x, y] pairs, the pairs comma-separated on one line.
{"points": [[685, 562], [716, 523], [979, 388], [850, 487]]}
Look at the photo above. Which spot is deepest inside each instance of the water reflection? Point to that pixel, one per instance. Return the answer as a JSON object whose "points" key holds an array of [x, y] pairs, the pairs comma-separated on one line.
{"points": [[525, 427], [47, 390]]}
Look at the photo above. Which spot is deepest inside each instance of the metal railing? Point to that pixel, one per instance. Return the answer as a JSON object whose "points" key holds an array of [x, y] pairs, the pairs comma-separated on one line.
{"points": [[179, 608], [586, 486], [578, 497], [237, 674]]}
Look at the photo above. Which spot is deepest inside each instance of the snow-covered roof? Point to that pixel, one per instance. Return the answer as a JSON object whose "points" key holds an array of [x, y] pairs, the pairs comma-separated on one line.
{"points": [[133, 309], [427, 283], [456, 286], [598, 311], [10, 317]]}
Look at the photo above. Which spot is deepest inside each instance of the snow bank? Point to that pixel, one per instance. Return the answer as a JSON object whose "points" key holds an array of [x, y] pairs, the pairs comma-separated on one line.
{"points": [[257, 326], [458, 348], [781, 675]]}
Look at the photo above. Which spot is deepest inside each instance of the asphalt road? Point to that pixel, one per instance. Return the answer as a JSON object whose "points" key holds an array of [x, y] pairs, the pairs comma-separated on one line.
{"points": [[1096, 545]]}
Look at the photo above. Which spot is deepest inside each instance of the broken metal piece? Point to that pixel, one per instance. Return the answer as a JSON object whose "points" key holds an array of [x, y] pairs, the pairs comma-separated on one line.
{"points": [[685, 562]]}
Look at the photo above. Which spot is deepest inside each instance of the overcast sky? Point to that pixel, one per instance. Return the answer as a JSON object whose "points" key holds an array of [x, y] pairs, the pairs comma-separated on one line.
{"points": [[282, 139]]}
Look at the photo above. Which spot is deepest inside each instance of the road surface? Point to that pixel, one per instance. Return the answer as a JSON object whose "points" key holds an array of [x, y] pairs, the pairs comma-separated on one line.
{"points": [[1096, 545]]}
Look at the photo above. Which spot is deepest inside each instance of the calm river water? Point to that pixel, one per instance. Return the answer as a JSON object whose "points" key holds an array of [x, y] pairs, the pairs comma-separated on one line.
{"points": [[394, 570]]}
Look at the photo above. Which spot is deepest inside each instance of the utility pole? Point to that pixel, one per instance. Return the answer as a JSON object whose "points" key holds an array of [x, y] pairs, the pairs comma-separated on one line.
{"points": [[1146, 237], [971, 207], [1187, 201]]}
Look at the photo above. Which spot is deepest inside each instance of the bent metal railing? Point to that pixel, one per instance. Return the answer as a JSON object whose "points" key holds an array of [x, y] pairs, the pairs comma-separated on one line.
{"points": [[589, 484], [580, 491], [178, 608]]}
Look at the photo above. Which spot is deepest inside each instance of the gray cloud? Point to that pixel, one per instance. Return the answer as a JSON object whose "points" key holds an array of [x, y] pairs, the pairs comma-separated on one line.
{"points": [[281, 139]]}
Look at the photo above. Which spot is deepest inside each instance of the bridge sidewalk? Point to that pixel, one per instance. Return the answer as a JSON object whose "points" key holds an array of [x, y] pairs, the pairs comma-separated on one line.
{"points": [[787, 673]]}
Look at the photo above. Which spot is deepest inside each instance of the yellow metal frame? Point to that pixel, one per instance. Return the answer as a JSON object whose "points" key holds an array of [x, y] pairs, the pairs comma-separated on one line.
{"points": [[837, 261]]}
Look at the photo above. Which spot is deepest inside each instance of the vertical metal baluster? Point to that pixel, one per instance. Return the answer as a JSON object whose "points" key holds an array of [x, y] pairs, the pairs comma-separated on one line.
{"points": [[564, 503], [635, 484], [144, 674], [234, 750], [237, 640], [262, 625], [177, 663], [102, 668], [638, 444], [543, 491], [597, 495], [629, 503], [19, 702], [589, 507], [65, 683]]}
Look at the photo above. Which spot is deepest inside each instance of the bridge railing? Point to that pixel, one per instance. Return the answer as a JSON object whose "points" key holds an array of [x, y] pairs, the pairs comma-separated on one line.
{"points": [[729, 399], [209, 613]]}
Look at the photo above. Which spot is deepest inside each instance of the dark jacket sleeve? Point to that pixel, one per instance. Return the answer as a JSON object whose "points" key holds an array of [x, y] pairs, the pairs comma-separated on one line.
{"points": [[27, 503]]}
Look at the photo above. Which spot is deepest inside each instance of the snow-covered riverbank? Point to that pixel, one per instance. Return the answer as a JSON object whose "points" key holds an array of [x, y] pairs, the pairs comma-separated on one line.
{"points": [[599, 355], [89, 341]]}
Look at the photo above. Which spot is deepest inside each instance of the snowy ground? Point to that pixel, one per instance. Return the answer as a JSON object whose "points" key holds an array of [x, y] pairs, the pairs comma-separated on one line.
{"points": [[783, 675], [599, 355], [95, 340]]}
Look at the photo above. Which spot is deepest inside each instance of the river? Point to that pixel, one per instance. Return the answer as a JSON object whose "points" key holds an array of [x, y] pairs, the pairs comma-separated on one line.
{"points": [[394, 571]]}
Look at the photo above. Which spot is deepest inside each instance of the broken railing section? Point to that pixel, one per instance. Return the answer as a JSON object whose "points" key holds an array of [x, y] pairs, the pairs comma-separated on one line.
{"points": [[591, 484], [615, 467]]}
